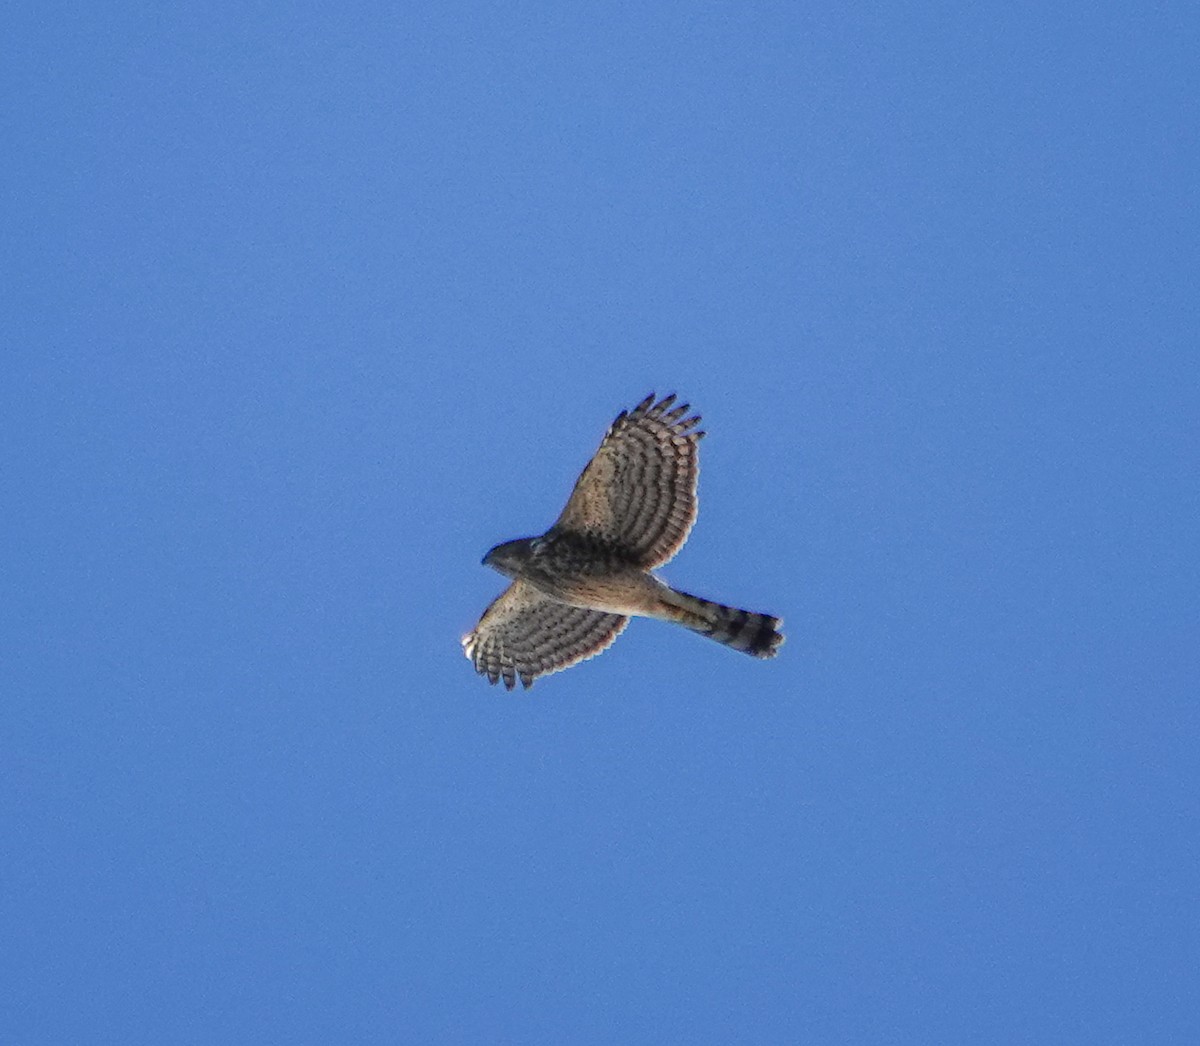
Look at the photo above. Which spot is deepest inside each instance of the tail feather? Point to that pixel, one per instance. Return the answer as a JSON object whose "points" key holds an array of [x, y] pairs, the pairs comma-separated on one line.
{"points": [[754, 634]]}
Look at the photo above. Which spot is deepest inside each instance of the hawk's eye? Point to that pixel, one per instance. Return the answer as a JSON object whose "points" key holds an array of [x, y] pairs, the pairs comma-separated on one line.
{"points": [[536, 545]]}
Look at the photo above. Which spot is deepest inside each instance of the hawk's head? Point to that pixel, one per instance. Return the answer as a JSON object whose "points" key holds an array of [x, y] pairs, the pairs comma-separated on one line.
{"points": [[510, 557]]}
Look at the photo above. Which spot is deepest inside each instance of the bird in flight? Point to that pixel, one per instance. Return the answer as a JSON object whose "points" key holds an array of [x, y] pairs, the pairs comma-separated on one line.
{"points": [[576, 586]]}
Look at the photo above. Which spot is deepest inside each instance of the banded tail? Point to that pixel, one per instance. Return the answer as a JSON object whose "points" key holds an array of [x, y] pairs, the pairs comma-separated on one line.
{"points": [[754, 634]]}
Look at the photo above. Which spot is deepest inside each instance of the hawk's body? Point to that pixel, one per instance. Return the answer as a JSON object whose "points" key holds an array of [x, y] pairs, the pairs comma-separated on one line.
{"points": [[577, 585]]}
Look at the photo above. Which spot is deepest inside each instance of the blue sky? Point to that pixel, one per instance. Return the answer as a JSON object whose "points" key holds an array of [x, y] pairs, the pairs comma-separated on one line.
{"points": [[306, 307]]}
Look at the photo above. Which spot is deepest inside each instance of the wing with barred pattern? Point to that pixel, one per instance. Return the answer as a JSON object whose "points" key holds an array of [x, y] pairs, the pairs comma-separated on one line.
{"points": [[526, 634], [638, 492]]}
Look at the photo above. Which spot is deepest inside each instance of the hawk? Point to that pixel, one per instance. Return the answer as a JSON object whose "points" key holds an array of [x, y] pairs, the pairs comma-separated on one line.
{"points": [[576, 586]]}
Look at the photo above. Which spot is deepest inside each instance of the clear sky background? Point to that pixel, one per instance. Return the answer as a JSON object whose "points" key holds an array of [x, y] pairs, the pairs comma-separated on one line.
{"points": [[305, 306]]}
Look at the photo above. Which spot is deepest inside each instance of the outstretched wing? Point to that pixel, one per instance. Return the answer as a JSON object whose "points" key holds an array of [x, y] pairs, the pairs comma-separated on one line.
{"points": [[639, 491], [526, 634]]}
